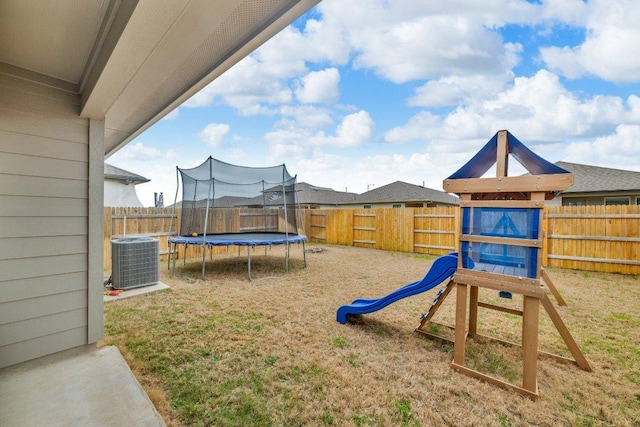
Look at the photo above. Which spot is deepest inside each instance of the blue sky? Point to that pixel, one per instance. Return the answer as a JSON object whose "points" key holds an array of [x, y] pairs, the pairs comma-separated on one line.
{"points": [[359, 94]]}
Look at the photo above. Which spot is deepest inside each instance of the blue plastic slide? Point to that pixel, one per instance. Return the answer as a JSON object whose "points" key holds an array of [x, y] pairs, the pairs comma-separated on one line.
{"points": [[441, 270]]}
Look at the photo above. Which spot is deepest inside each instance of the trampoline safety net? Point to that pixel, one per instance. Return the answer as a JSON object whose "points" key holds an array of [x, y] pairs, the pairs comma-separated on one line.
{"points": [[219, 197]]}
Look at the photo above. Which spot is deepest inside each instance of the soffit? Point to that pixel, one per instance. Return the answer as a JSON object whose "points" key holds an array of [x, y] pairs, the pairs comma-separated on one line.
{"points": [[132, 62], [53, 38], [166, 54]]}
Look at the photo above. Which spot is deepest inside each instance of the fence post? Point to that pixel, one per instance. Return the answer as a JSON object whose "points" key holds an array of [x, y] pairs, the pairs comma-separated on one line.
{"points": [[545, 238]]}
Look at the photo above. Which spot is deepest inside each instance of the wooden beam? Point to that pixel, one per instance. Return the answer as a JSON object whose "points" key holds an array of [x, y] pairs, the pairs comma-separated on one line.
{"points": [[525, 183], [473, 310], [565, 334], [530, 243], [502, 155], [539, 197], [461, 324], [500, 308], [533, 395], [500, 282], [552, 288], [501, 204], [435, 306], [530, 319]]}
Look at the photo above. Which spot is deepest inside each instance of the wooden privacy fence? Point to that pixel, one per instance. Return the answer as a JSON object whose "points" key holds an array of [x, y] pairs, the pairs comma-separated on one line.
{"points": [[150, 222], [419, 230], [594, 238], [157, 223], [589, 238]]}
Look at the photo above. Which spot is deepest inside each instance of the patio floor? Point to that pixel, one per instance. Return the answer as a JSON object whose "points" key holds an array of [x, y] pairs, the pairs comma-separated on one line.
{"points": [[81, 387]]}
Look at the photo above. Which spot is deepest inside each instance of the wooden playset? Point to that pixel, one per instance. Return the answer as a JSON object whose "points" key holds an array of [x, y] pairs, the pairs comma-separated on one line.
{"points": [[500, 248]]}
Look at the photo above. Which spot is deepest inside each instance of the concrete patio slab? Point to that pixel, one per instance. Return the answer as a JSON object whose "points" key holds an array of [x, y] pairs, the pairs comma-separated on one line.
{"points": [[85, 387], [126, 293]]}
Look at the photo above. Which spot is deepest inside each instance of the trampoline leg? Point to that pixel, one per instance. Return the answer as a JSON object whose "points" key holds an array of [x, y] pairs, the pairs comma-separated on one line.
{"points": [[304, 254], [204, 259], [286, 261], [174, 261], [249, 262]]}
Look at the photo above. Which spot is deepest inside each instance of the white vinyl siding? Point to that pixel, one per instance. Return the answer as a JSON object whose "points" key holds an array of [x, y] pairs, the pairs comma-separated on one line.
{"points": [[44, 169]]}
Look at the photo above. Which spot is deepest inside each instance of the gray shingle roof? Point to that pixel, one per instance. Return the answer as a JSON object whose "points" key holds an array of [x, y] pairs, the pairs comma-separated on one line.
{"points": [[591, 179], [112, 172], [404, 192], [310, 194]]}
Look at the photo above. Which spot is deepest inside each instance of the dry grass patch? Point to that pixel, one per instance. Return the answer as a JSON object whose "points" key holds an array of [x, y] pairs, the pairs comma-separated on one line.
{"points": [[225, 351]]}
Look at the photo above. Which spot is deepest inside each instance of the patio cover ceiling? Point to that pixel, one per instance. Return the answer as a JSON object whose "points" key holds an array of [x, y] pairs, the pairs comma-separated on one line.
{"points": [[132, 62]]}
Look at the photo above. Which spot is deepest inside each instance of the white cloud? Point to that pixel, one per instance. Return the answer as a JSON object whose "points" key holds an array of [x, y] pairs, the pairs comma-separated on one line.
{"points": [[308, 116], [633, 115], [421, 127], [137, 151], [409, 40], [538, 109], [261, 81], [292, 140], [612, 34], [617, 150], [319, 87], [288, 142], [341, 173], [246, 87], [355, 130], [172, 115], [214, 133]]}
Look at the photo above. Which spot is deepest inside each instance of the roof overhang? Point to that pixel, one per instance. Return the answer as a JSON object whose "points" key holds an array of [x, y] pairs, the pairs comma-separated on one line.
{"points": [[133, 62]]}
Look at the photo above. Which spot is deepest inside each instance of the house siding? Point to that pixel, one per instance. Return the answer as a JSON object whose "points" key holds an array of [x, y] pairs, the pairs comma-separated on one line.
{"points": [[44, 226], [599, 199], [383, 205]]}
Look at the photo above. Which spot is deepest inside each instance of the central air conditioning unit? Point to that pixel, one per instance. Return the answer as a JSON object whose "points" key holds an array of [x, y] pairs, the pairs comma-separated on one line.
{"points": [[134, 262]]}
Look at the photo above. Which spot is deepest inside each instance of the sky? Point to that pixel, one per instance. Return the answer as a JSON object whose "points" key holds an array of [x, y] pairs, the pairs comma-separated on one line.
{"points": [[358, 94]]}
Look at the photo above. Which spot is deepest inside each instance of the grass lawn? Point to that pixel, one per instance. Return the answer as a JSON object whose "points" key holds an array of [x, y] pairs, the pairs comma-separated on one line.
{"points": [[225, 351]]}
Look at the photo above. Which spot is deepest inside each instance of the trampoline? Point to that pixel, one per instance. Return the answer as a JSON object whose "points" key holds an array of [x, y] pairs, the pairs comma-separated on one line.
{"points": [[243, 239], [229, 205]]}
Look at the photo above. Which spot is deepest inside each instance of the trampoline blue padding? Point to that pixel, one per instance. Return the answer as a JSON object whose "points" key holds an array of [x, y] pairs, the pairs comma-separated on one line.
{"points": [[240, 239]]}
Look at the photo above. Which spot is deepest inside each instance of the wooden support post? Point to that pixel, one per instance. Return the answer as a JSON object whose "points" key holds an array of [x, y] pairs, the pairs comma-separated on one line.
{"points": [[502, 151], [434, 308], [565, 334], [552, 288], [473, 310], [530, 318], [461, 325]]}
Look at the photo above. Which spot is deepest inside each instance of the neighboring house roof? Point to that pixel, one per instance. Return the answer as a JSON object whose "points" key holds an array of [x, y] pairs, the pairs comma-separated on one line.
{"points": [[592, 179], [308, 194], [404, 192], [112, 172]]}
